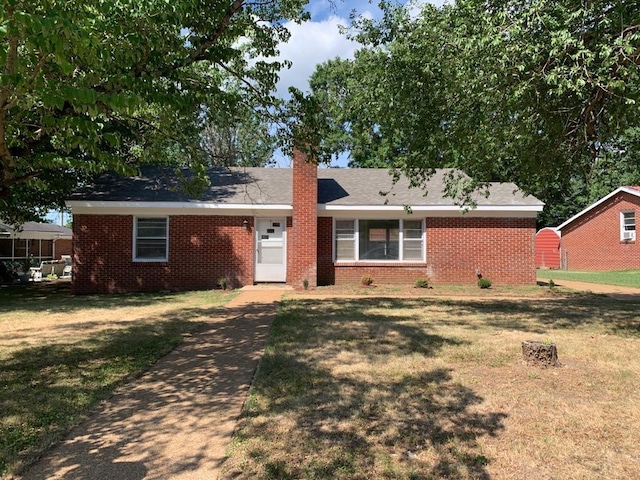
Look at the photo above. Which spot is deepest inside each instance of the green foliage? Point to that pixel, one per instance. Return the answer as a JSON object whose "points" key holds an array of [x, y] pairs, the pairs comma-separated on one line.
{"points": [[421, 283], [243, 139], [94, 86], [484, 282], [305, 284], [536, 92], [552, 284]]}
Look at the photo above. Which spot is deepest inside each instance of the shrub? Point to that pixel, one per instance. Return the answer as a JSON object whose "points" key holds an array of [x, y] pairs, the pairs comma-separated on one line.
{"points": [[367, 280], [552, 284], [305, 284], [484, 283], [223, 283], [421, 283]]}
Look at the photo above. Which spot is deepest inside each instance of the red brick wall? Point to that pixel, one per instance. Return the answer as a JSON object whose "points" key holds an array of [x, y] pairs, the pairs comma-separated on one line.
{"points": [[501, 248], [592, 242], [202, 249], [398, 273], [63, 247], [302, 258], [326, 272]]}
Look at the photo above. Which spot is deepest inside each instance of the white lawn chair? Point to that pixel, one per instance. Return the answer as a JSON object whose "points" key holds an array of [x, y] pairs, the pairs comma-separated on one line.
{"points": [[36, 272], [67, 272]]}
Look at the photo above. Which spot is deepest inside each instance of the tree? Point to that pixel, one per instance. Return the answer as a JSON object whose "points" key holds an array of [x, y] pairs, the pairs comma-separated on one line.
{"points": [[531, 91], [99, 85], [243, 140]]}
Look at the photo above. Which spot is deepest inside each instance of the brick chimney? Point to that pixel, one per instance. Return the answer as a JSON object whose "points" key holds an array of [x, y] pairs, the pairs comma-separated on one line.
{"points": [[303, 237]]}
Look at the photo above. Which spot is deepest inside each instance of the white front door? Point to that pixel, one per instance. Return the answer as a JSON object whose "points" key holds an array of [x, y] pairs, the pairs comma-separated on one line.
{"points": [[270, 250]]}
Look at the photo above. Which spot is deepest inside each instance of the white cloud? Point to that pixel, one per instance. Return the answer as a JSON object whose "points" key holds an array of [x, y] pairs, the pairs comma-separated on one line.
{"points": [[315, 42], [312, 43]]}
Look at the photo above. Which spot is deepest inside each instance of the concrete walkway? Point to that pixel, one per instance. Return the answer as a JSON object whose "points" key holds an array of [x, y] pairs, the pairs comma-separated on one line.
{"points": [[621, 293], [176, 421]]}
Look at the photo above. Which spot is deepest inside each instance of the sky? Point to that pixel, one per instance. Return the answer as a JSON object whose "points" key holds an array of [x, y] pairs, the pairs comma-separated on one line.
{"points": [[319, 40]]}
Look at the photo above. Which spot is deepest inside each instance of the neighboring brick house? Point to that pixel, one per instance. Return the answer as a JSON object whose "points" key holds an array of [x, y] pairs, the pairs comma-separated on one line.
{"points": [[33, 240], [328, 226], [603, 235]]}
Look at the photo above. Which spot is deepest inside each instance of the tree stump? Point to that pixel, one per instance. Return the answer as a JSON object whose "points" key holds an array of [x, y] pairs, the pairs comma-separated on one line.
{"points": [[539, 353]]}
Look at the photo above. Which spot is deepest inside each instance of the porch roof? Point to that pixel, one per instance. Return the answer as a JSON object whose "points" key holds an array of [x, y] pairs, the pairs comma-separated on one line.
{"points": [[35, 231]]}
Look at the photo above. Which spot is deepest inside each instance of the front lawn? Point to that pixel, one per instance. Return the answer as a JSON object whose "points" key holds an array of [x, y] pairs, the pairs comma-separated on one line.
{"points": [[432, 388], [61, 355], [621, 278]]}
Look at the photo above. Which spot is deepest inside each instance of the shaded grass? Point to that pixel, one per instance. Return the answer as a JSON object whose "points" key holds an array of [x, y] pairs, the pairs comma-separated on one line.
{"points": [[47, 297], [431, 388], [621, 278], [55, 368]]}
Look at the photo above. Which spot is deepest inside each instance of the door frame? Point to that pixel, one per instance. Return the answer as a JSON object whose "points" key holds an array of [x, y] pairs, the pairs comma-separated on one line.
{"points": [[256, 240]]}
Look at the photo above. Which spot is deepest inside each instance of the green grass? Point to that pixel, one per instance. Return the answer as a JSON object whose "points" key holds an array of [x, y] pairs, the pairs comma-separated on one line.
{"points": [[429, 388], [61, 355], [622, 278]]}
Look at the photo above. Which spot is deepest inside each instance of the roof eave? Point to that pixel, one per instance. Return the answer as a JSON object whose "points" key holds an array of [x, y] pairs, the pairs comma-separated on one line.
{"points": [[599, 202], [433, 208], [173, 205], [205, 206]]}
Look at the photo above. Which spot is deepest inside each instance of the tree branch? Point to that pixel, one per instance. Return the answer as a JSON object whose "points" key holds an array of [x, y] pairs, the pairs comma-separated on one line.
{"points": [[6, 159], [213, 37]]}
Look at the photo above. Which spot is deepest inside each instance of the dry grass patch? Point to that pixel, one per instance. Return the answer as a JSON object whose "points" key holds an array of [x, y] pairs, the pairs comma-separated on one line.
{"points": [[61, 355], [435, 291], [433, 388]]}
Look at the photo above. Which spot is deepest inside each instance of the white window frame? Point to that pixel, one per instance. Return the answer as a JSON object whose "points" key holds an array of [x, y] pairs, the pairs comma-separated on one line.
{"points": [[627, 234], [356, 240], [135, 239], [353, 239]]}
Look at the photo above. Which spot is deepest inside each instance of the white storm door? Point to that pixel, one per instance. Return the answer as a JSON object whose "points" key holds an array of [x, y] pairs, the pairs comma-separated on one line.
{"points": [[270, 250]]}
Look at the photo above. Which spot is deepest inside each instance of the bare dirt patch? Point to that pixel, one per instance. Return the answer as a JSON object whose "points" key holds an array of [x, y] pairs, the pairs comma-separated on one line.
{"points": [[436, 291]]}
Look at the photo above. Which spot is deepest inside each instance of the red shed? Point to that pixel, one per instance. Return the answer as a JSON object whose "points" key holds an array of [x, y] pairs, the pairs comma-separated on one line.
{"points": [[548, 248]]}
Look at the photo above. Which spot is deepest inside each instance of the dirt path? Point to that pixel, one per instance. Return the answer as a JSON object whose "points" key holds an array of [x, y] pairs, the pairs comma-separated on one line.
{"points": [[609, 290], [177, 420]]}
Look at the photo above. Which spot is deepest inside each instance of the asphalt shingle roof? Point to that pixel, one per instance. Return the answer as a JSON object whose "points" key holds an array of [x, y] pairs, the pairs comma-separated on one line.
{"points": [[30, 227], [273, 186]]}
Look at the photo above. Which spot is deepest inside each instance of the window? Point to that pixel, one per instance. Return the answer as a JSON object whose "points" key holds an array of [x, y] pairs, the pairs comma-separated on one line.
{"points": [[628, 225], [21, 248], [379, 240], [345, 240], [6, 248], [150, 239], [412, 240]]}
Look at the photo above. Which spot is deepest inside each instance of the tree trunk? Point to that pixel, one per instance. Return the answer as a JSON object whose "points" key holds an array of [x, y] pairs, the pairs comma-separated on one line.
{"points": [[538, 353]]}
